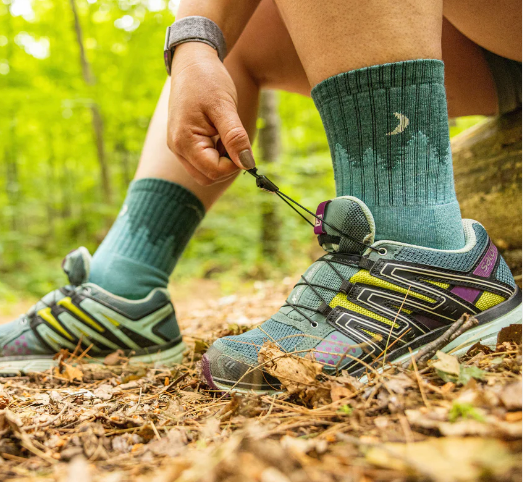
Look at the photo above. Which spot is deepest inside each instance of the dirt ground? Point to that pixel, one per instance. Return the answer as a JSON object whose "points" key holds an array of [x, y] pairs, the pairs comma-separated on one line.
{"points": [[450, 420]]}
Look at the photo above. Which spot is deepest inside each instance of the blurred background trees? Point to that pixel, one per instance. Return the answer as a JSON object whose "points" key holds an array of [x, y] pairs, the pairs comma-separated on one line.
{"points": [[79, 80]]}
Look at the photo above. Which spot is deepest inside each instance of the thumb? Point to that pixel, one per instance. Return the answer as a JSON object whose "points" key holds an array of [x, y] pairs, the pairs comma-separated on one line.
{"points": [[234, 136]]}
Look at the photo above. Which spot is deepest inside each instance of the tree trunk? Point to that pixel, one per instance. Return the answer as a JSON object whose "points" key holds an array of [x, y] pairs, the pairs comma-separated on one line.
{"points": [[269, 143], [96, 117], [487, 164]]}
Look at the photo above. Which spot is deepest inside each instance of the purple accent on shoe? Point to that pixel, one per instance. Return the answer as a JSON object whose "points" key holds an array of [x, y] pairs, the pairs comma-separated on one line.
{"points": [[430, 323], [320, 212], [468, 294], [488, 262], [206, 370]]}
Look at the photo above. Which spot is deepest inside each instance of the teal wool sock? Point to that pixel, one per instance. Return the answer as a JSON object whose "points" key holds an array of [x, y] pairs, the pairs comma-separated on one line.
{"points": [[155, 224], [388, 133]]}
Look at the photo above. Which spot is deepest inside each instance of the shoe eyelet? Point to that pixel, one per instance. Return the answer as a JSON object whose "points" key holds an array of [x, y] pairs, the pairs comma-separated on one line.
{"points": [[314, 324], [382, 251]]}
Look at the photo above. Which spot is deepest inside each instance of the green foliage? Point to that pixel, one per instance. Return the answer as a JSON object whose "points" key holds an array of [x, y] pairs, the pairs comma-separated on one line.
{"points": [[51, 198], [464, 410], [345, 410]]}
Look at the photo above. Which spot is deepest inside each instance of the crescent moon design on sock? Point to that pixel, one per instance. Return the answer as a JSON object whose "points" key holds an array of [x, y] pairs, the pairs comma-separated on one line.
{"points": [[404, 122]]}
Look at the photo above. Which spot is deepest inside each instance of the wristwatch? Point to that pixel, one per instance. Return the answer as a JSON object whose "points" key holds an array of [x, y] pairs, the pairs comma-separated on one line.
{"points": [[193, 29]]}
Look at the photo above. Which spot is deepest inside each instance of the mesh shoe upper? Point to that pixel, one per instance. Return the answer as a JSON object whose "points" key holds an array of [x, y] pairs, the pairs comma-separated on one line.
{"points": [[84, 314], [366, 294]]}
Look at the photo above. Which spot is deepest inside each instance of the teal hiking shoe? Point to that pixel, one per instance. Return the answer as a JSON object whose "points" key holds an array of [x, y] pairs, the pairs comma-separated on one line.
{"points": [[365, 298], [83, 316]]}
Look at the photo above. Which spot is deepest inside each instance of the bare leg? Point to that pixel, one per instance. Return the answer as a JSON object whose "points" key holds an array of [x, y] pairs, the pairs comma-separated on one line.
{"points": [[338, 36], [470, 86], [495, 26], [265, 57]]}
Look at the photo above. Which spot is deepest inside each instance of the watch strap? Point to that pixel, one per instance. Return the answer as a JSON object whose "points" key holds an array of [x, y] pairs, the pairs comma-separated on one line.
{"points": [[193, 29]]}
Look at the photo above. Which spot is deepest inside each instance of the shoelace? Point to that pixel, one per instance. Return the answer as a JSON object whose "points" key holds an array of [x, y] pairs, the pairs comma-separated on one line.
{"points": [[321, 309], [264, 183]]}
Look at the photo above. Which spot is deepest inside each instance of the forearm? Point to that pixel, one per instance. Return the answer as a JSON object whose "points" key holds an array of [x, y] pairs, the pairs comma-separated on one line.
{"points": [[230, 15]]}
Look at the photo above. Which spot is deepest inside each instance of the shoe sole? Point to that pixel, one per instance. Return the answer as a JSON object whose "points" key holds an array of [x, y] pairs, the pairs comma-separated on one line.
{"points": [[486, 333], [16, 366]]}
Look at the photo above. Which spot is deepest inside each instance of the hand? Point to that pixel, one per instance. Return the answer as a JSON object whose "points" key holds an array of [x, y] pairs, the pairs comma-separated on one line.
{"points": [[203, 114]]}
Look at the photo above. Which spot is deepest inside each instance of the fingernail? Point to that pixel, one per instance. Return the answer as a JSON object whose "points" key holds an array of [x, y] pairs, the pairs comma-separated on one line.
{"points": [[247, 159]]}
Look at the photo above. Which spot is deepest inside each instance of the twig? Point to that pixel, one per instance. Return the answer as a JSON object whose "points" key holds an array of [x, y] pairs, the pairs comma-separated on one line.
{"points": [[465, 322], [155, 431], [49, 422], [418, 378], [384, 353]]}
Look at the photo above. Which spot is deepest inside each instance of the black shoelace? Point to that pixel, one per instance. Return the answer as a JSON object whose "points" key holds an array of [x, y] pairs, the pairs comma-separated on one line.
{"points": [[264, 183]]}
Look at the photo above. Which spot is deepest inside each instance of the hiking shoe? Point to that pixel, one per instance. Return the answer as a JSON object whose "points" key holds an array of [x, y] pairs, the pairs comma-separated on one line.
{"points": [[82, 316], [366, 298]]}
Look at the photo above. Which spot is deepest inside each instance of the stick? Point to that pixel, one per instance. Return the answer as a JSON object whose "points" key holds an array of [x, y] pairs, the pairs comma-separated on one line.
{"points": [[465, 322]]}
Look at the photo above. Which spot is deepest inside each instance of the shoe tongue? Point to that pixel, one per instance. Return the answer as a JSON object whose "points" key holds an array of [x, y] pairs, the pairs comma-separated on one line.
{"points": [[350, 216], [77, 265]]}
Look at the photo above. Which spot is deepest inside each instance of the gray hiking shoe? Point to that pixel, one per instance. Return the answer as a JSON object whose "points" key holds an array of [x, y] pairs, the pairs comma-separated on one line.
{"points": [[84, 315], [365, 298]]}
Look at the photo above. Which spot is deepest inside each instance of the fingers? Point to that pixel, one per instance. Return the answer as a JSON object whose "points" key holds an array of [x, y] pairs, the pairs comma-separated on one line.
{"points": [[232, 134], [203, 179]]}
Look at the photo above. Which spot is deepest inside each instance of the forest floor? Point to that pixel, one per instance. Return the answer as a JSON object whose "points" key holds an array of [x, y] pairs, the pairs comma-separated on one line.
{"points": [[452, 420]]}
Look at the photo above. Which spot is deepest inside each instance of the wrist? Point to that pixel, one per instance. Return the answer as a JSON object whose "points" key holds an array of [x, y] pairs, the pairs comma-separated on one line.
{"points": [[190, 53], [194, 48]]}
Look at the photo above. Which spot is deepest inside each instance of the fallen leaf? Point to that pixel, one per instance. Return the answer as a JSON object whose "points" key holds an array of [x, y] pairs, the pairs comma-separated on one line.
{"points": [[106, 391], [272, 474], [511, 396], [339, 392], [68, 372], [447, 364], [479, 348], [510, 334], [514, 417], [295, 373], [116, 358], [79, 470], [399, 383], [171, 445], [449, 369], [446, 459]]}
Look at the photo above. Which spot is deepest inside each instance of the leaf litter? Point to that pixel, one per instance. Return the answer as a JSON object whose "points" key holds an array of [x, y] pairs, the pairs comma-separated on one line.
{"points": [[447, 419]]}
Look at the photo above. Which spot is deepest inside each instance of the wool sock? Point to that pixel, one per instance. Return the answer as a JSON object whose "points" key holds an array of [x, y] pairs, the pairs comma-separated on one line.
{"points": [[140, 251], [388, 133]]}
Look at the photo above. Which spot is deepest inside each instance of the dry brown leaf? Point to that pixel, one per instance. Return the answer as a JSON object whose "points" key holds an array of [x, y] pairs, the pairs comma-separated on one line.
{"points": [[510, 334], [295, 373], [115, 358], [511, 396], [106, 391], [447, 364], [453, 459], [339, 392], [273, 475], [69, 372]]}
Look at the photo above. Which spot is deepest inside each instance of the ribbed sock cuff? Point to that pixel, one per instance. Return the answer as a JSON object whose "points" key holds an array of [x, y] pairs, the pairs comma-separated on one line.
{"points": [[436, 226], [377, 77], [171, 191]]}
